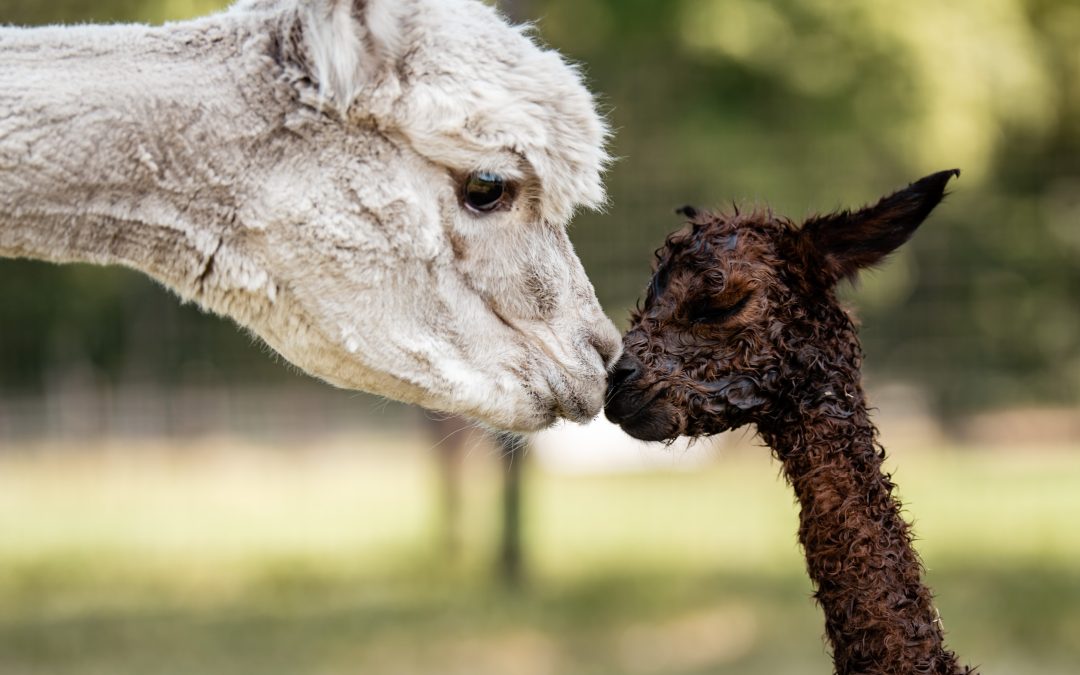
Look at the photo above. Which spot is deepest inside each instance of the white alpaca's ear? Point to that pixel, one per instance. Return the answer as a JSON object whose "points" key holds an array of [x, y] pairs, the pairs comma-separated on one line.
{"points": [[349, 42]]}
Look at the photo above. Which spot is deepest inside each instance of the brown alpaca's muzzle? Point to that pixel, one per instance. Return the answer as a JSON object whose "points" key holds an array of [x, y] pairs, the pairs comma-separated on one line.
{"points": [[640, 406], [655, 406]]}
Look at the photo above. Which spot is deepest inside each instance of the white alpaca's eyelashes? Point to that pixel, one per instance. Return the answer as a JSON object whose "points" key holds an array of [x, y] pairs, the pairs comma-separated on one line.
{"points": [[483, 192]]}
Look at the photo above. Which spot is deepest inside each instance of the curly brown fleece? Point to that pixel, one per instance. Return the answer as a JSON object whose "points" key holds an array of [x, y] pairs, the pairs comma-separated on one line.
{"points": [[741, 325]]}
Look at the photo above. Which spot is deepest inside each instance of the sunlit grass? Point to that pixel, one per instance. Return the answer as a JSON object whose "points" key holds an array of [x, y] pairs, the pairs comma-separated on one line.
{"points": [[220, 557]]}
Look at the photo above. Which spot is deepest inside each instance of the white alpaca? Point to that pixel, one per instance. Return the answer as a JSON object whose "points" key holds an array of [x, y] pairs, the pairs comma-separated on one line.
{"points": [[378, 188]]}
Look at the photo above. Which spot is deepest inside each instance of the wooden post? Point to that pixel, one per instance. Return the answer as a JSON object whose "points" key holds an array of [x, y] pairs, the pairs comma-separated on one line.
{"points": [[511, 566], [451, 435]]}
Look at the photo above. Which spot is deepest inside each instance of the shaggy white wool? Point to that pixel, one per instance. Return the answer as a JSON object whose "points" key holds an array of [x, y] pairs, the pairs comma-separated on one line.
{"points": [[297, 165]]}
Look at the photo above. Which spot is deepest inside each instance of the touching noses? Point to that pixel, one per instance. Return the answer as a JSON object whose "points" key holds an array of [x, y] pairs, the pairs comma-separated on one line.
{"points": [[622, 402]]}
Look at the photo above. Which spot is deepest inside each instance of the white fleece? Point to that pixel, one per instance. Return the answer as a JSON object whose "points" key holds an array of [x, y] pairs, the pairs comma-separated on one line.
{"points": [[296, 165]]}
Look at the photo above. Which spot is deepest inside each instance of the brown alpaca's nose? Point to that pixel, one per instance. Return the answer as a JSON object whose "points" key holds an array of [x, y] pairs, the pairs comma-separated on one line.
{"points": [[637, 410], [627, 369]]}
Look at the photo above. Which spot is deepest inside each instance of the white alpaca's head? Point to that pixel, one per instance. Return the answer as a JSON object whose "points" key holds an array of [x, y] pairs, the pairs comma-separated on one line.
{"points": [[417, 248]]}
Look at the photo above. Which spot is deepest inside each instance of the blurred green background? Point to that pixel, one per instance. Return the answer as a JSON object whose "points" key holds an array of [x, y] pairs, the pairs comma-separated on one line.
{"points": [[175, 500]]}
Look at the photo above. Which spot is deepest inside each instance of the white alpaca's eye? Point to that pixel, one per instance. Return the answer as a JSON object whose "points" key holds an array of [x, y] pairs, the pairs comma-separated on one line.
{"points": [[485, 192]]}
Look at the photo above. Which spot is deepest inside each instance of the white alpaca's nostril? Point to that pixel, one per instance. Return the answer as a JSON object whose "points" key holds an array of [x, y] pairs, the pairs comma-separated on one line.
{"points": [[608, 344]]}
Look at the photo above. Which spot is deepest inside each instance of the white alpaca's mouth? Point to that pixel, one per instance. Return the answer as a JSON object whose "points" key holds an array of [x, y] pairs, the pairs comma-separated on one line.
{"points": [[547, 395], [578, 399], [559, 381]]}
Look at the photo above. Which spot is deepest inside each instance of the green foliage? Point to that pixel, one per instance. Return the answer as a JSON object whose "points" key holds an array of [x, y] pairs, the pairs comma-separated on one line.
{"points": [[806, 105]]}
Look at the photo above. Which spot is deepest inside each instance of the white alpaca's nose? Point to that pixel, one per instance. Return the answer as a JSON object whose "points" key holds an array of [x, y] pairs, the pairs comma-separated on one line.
{"points": [[580, 396], [607, 342]]}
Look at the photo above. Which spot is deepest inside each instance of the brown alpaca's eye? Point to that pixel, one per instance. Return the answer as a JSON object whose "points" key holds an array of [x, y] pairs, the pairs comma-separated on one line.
{"points": [[709, 311], [485, 192]]}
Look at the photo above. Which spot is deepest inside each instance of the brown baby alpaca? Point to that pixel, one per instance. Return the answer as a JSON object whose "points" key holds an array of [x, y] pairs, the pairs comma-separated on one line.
{"points": [[741, 325]]}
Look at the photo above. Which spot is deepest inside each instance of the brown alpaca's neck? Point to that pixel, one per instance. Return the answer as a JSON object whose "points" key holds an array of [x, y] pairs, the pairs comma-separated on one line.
{"points": [[879, 616]]}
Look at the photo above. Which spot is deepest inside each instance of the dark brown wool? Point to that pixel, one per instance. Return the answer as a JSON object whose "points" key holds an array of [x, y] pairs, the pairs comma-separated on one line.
{"points": [[741, 325]]}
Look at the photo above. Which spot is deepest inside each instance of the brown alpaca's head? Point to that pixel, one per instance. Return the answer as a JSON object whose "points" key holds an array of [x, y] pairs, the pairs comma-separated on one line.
{"points": [[740, 322]]}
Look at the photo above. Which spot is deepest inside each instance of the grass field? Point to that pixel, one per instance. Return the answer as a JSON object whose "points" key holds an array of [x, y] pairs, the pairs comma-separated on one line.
{"points": [[220, 557]]}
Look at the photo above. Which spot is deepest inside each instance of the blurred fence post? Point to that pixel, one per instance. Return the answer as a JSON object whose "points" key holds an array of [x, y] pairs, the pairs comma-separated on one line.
{"points": [[512, 450], [450, 435]]}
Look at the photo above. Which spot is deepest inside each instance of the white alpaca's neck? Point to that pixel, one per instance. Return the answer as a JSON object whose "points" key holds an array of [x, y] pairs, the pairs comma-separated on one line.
{"points": [[112, 148]]}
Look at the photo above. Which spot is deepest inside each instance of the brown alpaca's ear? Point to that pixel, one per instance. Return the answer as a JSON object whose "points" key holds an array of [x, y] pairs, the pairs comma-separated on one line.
{"points": [[841, 244]]}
